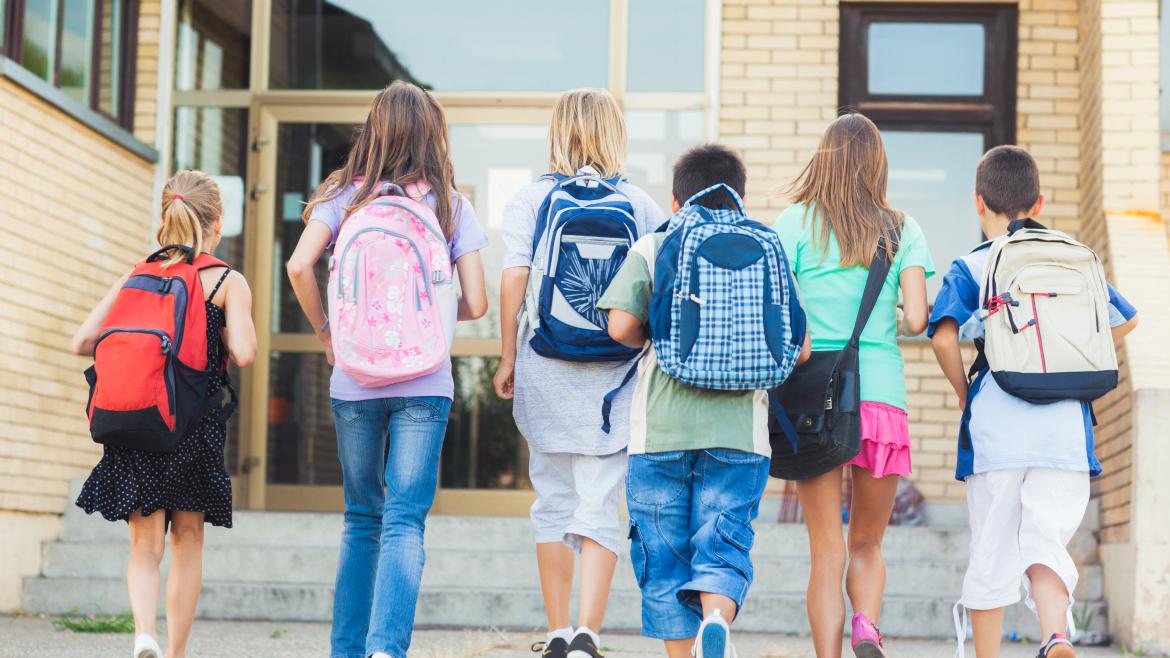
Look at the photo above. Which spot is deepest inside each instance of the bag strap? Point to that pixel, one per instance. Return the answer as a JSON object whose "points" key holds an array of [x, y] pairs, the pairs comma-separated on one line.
{"points": [[1027, 222], [222, 278], [716, 187], [878, 270]]}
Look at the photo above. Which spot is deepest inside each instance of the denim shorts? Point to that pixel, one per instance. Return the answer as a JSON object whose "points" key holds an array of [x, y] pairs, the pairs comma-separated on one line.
{"points": [[690, 532]]}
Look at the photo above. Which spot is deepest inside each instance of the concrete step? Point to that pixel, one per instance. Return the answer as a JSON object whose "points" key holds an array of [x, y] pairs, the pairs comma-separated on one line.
{"points": [[496, 607], [479, 569]]}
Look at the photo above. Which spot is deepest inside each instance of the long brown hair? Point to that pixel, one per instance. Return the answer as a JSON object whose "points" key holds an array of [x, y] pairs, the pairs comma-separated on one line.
{"points": [[844, 185], [190, 207], [404, 141]]}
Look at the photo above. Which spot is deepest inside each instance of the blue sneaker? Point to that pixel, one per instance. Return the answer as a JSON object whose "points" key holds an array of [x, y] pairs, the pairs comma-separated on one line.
{"points": [[714, 639]]}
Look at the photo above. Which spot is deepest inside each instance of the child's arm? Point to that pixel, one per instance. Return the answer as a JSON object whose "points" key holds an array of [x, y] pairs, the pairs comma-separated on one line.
{"points": [[946, 349], [87, 334], [626, 329], [513, 283], [239, 332], [1122, 330], [914, 310], [314, 239], [806, 349], [473, 301]]}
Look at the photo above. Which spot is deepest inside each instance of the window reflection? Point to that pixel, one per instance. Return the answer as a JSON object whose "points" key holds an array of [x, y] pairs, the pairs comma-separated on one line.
{"points": [[657, 138], [302, 442], [214, 45], [934, 59], [483, 449], [932, 179], [666, 45], [457, 45], [76, 49]]}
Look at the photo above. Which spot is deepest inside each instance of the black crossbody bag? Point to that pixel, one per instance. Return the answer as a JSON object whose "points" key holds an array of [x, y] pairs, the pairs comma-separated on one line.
{"points": [[815, 420]]}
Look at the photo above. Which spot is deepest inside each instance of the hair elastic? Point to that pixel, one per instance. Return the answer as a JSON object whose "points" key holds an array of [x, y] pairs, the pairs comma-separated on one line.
{"points": [[179, 197]]}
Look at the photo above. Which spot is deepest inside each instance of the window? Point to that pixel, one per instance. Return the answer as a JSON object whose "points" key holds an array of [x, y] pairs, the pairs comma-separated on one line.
{"points": [[213, 45], [85, 48], [941, 84]]}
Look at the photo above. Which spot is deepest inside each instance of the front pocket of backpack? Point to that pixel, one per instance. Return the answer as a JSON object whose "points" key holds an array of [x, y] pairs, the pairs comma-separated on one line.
{"points": [[132, 372]]}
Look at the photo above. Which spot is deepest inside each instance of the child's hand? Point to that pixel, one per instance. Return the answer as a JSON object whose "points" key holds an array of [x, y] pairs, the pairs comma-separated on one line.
{"points": [[326, 337], [505, 379]]}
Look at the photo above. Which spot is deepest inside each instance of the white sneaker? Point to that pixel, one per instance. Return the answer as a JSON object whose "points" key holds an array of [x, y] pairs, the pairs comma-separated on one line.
{"points": [[146, 646], [714, 638], [380, 655]]}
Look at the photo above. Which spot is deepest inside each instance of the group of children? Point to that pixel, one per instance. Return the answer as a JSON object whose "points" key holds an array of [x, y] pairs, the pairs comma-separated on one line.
{"points": [[690, 463]]}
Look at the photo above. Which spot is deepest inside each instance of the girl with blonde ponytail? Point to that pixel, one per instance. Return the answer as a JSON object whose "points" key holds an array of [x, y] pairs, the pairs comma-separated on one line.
{"points": [[182, 489]]}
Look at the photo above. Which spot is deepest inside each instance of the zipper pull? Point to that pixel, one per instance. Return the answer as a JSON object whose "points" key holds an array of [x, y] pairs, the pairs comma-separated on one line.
{"points": [[166, 345]]}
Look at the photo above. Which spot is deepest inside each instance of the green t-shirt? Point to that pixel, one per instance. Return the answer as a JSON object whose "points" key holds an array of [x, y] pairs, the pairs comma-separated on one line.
{"points": [[666, 414], [832, 295]]}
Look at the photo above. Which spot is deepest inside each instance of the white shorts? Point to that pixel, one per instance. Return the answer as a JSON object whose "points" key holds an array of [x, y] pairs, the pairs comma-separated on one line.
{"points": [[1019, 518], [577, 497]]}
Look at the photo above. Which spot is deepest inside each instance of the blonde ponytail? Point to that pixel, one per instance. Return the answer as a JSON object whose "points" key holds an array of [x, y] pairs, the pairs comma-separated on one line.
{"points": [[190, 207]]}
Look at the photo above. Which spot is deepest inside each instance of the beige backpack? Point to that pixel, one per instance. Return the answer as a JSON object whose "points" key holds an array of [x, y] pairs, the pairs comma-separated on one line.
{"points": [[1045, 308]]}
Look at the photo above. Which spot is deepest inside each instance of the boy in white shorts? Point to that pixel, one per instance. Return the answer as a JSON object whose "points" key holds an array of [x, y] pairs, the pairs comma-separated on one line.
{"points": [[1027, 466]]}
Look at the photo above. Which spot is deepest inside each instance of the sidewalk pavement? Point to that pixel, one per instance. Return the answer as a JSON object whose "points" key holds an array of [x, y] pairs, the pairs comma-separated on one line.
{"points": [[36, 637]]}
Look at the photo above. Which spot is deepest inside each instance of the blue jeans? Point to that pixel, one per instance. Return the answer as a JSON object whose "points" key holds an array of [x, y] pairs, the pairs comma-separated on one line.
{"points": [[690, 532], [389, 450]]}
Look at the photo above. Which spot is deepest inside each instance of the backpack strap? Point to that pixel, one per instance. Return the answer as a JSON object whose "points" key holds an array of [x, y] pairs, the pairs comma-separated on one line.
{"points": [[878, 270], [1027, 222], [188, 251]]}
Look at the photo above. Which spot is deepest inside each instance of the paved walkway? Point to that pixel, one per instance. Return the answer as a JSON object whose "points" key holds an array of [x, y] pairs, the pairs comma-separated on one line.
{"points": [[34, 637]]}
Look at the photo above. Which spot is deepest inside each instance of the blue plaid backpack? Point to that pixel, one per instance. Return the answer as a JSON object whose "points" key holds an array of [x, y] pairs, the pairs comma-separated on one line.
{"points": [[724, 314], [584, 231]]}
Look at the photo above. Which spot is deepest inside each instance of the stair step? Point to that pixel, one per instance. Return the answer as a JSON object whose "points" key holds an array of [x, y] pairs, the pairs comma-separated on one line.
{"points": [[490, 607], [317, 565]]}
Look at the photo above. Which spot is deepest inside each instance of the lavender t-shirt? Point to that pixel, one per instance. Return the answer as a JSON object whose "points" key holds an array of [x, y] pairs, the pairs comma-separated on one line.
{"points": [[468, 237]]}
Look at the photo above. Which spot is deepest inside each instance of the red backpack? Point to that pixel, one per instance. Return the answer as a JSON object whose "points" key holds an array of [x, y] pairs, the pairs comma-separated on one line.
{"points": [[150, 372]]}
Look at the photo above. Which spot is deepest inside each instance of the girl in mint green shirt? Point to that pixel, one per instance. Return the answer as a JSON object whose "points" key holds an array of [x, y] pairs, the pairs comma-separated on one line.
{"points": [[830, 235]]}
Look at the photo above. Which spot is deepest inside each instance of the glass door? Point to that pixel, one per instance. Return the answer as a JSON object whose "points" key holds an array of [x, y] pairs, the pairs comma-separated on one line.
{"points": [[291, 448]]}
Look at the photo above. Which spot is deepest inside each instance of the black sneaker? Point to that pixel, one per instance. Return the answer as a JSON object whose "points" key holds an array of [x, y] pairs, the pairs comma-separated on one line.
{"points": [[582, 646], [554, 648]]}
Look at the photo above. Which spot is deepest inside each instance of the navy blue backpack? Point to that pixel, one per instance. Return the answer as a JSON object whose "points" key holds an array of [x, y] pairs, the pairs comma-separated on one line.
{"points": [[584, 230]]}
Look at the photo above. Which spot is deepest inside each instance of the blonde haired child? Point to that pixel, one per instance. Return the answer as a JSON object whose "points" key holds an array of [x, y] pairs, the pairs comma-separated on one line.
{"points": [[188, 485], [577, 469]]}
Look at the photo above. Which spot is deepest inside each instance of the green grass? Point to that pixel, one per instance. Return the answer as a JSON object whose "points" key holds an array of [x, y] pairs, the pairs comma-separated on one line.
{"points": [[123, 623]]}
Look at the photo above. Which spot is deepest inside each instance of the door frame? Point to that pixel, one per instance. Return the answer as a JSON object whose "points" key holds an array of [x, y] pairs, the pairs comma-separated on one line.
{"points": [[267, 112]]}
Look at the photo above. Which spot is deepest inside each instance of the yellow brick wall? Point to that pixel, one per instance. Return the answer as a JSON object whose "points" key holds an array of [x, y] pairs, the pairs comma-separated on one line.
{"points": [[75, 213], [778, 91]]}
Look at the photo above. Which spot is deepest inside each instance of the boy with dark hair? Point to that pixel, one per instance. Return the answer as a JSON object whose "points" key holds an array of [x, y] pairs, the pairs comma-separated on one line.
{"points": [[698, 457], [1027, 466]]}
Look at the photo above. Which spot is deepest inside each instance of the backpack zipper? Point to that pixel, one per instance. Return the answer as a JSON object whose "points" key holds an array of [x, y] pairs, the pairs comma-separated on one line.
{"points": [[166, 343], [166, 288], [554, 248], [417, 253], [1039, 338], [430, 228]]}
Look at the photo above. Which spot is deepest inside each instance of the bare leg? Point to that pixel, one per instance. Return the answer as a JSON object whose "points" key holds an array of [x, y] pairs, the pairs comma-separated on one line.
{"points": [[873, 500], [820, 498], [987, 628], [712, 602], [554, 561], [679, 648], [1051, 598], [185, 579], [147, 543], [597, 567]]}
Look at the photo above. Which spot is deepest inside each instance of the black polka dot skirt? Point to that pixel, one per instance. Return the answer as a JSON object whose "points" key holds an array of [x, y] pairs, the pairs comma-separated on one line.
{"points": [[192, 478]]}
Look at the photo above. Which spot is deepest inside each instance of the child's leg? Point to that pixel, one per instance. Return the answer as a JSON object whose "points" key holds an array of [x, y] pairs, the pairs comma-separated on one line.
{"points": [[552, 478], [820, 500], [1051, 599], [1054, 503], [600, 485], [712, 602], [147, 543], [869, 514], [185, 579], [987, 629]]}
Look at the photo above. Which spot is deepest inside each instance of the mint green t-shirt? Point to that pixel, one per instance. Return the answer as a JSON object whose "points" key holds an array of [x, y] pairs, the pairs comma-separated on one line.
{"points": [[665, 414], [832, 295]]}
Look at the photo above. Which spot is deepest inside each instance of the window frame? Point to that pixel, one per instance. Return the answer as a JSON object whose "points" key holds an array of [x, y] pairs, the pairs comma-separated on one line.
{"points": [[992, 113], [12, 47]]}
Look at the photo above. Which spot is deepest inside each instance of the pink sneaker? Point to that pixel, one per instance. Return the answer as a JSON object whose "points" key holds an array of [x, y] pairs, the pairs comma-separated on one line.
{"points": [[867, 639]]}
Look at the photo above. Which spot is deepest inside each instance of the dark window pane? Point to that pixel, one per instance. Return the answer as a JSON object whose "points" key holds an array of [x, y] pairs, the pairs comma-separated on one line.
{"points": [[302, 443], [935, 59], [40, 38], [76, 49], [214, 44], [110, 63], [483, 449], [306, 153], [455, 45], [657, 30]]}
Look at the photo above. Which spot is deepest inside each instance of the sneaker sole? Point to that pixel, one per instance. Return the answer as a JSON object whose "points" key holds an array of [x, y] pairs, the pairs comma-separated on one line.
{"points": [[147, 653], [1062, 651], [713, 644], [578, 654], [868, 649]]}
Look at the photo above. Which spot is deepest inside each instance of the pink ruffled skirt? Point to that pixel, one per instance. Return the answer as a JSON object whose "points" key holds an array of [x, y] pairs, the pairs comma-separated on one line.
{"points": [[885, 440]]}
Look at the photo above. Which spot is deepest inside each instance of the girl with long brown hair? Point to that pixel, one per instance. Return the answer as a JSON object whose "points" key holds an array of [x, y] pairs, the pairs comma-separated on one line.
{"points": [[839, 218], [389, 438]]}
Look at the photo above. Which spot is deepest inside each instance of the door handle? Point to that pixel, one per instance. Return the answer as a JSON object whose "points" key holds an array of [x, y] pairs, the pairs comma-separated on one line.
{"points": [[257, 190]]}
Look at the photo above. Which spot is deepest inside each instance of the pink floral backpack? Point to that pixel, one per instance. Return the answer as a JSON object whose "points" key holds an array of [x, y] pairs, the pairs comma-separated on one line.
{"points": [[392, 298]]}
